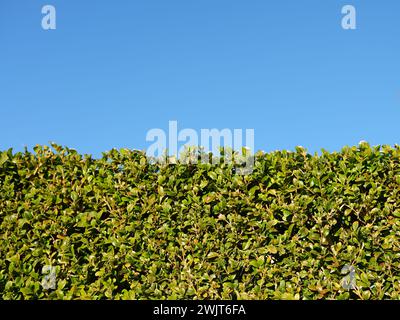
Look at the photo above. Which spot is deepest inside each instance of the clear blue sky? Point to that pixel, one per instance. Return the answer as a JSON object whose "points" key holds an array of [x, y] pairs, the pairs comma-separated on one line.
{"points": [[112, 70]]}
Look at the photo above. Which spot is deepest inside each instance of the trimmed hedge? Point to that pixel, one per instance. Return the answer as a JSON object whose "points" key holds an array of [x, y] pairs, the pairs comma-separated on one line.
{"points": [[121, 227]]}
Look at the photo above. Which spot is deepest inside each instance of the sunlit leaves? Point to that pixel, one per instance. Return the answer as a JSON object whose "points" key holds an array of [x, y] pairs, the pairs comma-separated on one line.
{"points": [[124, 227]]}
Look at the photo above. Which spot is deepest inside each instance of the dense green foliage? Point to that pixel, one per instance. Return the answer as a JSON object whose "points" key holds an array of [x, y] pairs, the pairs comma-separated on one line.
{"points": [[123, 227]]}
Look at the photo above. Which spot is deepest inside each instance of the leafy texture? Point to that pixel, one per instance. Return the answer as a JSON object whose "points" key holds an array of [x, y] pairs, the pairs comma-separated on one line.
{"points": [[123, 227]]}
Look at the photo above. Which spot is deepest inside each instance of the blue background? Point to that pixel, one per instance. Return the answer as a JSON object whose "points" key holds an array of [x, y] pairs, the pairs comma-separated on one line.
{"points": [[112, 70]]}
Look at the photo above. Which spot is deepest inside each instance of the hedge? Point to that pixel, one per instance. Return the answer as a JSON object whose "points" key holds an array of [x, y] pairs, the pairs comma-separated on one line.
{"points": [[124, 227]]}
